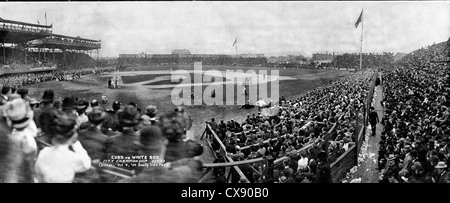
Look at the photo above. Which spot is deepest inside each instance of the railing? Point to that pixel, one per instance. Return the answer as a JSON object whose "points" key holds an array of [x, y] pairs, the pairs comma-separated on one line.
{"points": [[349, 159], [231, 164], [307, 125]]}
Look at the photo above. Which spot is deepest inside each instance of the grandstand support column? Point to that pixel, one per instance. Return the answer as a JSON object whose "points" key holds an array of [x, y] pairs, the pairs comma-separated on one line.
{"points": [[64, 55], [39, 54], [53, 53], [25, 51], [4, 48], [44, 51], [97, 54], [360, 53], [4, 53]]}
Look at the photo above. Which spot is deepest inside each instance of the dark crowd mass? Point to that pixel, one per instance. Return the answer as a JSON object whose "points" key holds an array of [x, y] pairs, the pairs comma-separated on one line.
{"points": [[415, 143]]}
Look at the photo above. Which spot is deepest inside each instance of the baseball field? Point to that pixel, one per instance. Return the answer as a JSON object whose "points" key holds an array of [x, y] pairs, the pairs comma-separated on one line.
{"points": [[153, 85]]}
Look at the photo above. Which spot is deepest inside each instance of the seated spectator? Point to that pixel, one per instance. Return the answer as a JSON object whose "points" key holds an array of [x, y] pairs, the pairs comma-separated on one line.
{"points": [[59, 164], [124, 144]]}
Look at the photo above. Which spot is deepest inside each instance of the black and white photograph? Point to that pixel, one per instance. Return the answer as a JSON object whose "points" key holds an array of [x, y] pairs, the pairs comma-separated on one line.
{"points": [[221, 92]]}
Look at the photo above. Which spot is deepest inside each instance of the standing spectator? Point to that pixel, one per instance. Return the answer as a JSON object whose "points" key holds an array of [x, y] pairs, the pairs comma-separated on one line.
{"points": [[373, 120], [24, 131], [43, 116], [6, 91], [442, 175]]}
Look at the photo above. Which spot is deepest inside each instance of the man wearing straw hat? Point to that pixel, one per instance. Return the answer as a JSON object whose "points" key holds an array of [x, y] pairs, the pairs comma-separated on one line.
{"points": [[442, 174]]}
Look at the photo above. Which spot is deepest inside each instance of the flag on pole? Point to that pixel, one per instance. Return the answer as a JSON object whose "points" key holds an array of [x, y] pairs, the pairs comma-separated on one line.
{"points": [[359, 19], [45, 18], [235, 41]]}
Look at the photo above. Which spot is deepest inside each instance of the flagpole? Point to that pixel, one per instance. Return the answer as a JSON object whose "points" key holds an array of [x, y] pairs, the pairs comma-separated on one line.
{"points": [[362, 34], [236, 47]]}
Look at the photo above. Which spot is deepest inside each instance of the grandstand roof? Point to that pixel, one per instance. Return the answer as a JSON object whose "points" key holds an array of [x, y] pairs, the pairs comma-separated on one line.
{"points": [[67, 42], [77, 38], [24, 23], [19, 32]]}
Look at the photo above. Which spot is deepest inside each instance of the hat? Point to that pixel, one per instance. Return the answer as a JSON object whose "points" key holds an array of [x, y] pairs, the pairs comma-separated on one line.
{"points": [[18, 112], [68, 103], [441, 164], [408, 147], [116, 105], [97, 115], [402, 140], [151, 110], [129, 116], [133, 104], [64, 124], [151, 137], [81, 104], [94, 103], [391, 157], [48, 96]]}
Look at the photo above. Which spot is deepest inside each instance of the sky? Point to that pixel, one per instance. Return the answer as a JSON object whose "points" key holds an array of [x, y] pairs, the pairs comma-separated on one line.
{"points": [[270, 28]]}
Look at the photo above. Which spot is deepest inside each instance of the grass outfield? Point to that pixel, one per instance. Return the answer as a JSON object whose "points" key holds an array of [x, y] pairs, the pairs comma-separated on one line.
{"points": [[93, 86]]}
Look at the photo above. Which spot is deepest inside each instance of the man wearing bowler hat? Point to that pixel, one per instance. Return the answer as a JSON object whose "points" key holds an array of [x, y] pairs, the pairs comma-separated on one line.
{"points": [[92, 138], [124, 144], [43, 115]]}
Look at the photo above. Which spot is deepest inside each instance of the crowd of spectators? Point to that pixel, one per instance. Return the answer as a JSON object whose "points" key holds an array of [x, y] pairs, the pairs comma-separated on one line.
{"points": [[15, 59], [298, 123], [370, 60], [75, 140], [422, 57], [206, 60], [18, 80], [415, 143]]}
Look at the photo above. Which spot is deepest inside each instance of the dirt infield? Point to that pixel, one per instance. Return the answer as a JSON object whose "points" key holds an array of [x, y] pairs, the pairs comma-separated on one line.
{"points": [[94, 86]]}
